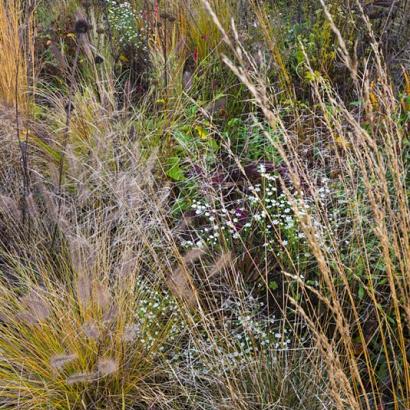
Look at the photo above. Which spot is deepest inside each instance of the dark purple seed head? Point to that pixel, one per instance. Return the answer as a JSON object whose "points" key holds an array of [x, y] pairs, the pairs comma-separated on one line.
{"points": [[81, 26]]}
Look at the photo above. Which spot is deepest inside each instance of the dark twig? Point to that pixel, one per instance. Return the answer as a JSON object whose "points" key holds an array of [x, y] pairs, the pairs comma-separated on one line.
{"points": [[81, 29], [165, 51], [22, 144]]}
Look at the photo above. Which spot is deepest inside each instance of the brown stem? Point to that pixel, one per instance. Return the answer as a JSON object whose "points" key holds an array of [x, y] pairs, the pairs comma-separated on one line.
{"points": [[65, 142]]}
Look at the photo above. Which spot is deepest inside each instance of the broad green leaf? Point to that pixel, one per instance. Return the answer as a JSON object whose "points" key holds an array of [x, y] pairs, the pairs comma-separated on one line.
{"points": [[175, 171]]}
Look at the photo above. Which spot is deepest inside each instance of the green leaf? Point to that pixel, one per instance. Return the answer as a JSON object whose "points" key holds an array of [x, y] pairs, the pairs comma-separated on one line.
{"points": [[361, 292], [179, 206], [212, 144], [202, 132], [46, 148], [184, 140], [175, 171], [273, 285]]}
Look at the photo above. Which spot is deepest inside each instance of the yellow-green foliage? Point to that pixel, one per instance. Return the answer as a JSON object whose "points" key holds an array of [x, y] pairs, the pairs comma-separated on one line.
{"points": [[81, 342], [203, 35], [13, 73]]}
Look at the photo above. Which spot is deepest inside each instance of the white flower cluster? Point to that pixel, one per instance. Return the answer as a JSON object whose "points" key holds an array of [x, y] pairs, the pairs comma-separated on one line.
{"points": [[123, 20], [157, 311], [251, 328], [245, 332], [219, 221], [262, 212], [324, 191]]}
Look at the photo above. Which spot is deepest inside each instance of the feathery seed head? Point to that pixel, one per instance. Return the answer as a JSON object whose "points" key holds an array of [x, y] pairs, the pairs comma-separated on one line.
{"points": [[91, 330], [59, 361], [81, 378], [107, 366]]}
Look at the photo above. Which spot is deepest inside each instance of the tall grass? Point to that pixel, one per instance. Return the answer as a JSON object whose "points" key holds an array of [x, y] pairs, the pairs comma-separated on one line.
{"points": [[117, 311], [363, 256], [16, 53]]}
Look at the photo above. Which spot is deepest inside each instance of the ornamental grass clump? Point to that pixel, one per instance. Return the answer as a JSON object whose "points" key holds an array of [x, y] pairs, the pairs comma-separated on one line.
{"points": [[83, 340]]}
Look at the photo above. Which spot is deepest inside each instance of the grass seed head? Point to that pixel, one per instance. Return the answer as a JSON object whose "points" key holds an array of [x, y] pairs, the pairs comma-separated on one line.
{"points": [[102, 296], [36, 307], [91, 330], [59, 361], [84, 289], [77, 378], [131, 332], [107, 366]]}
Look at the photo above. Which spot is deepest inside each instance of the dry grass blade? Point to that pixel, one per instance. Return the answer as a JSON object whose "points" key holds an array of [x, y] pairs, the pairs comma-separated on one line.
{"points": [[13, 58]]}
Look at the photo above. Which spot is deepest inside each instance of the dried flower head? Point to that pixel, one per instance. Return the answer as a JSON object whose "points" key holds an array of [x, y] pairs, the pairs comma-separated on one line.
{"points": [[98, 59], [81, 26]]}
